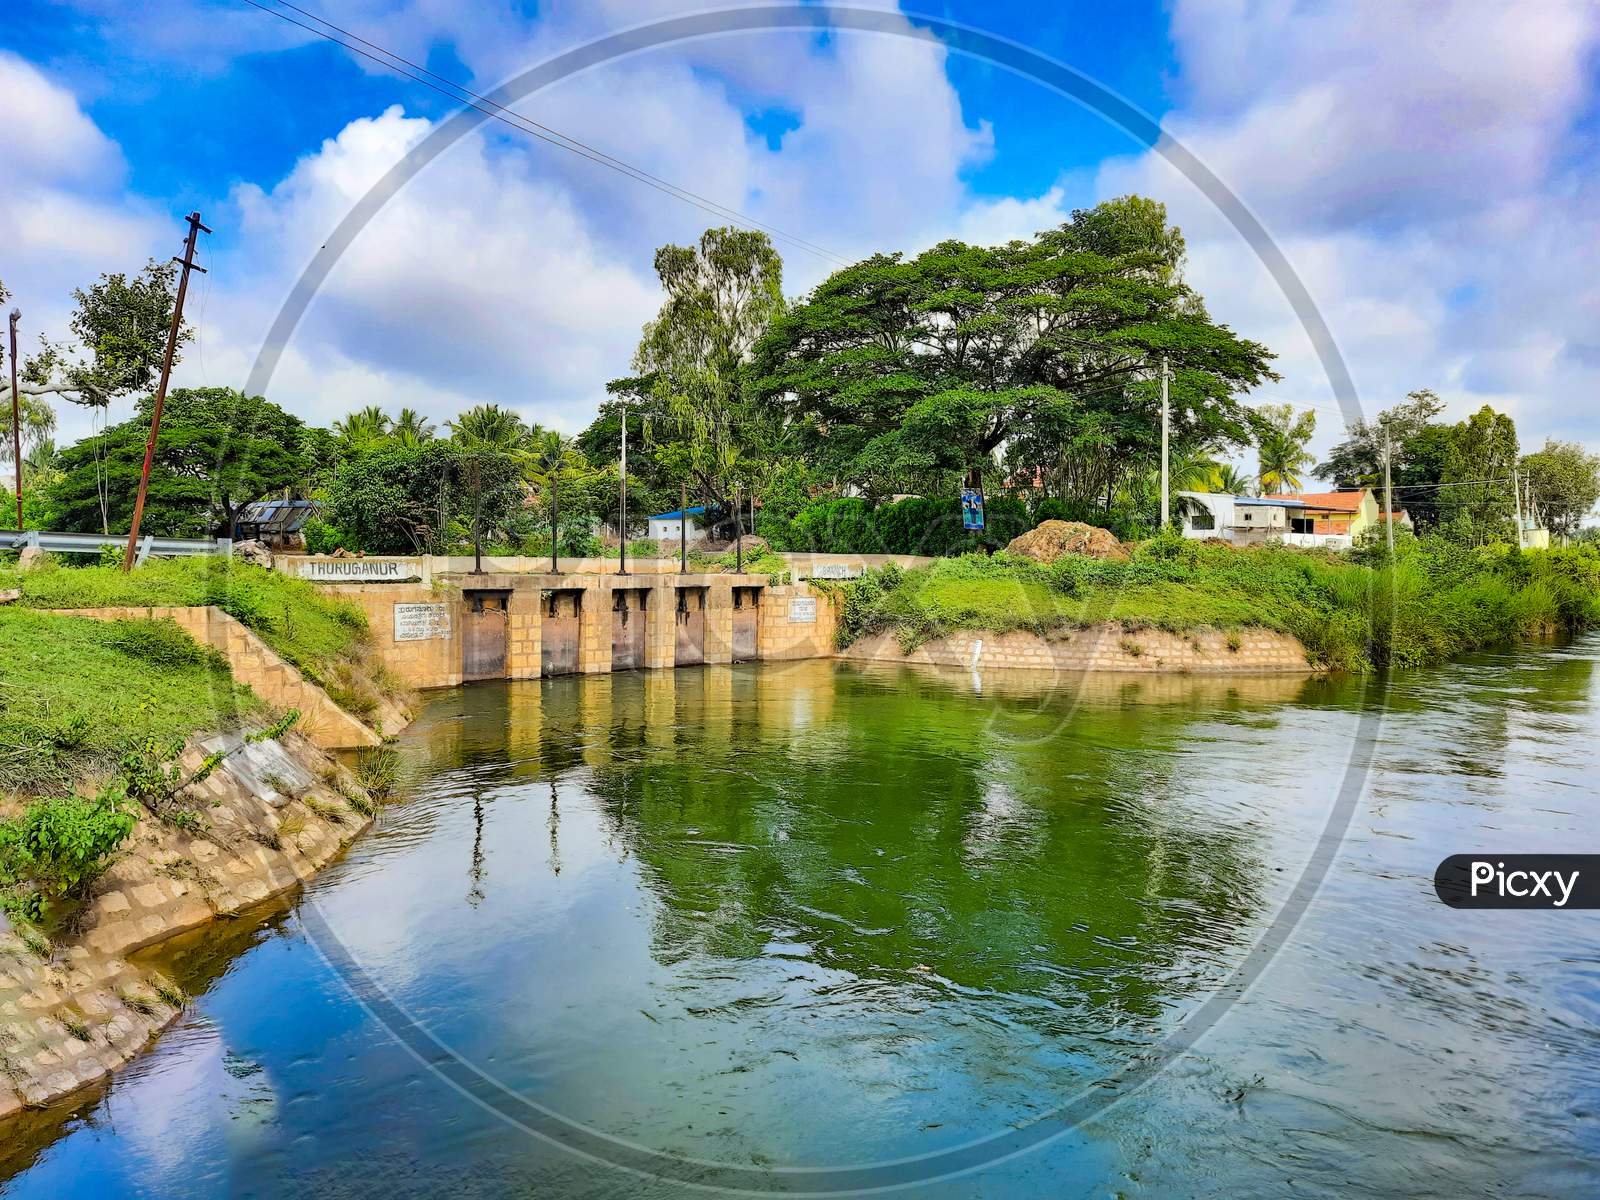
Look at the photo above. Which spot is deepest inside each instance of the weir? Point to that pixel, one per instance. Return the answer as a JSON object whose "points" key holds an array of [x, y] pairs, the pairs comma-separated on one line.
{"points": [[459, 627]]}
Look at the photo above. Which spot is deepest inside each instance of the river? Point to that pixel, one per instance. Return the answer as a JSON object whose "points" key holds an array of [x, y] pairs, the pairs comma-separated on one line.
{"points": [[817, 915]]}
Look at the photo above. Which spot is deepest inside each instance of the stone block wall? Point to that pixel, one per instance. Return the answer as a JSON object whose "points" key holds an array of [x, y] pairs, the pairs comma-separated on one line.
{"points": [[253, 663], [1104, 647], [719, 623], [73, 1012], [782, 636], [429, 662], [525, 628]]}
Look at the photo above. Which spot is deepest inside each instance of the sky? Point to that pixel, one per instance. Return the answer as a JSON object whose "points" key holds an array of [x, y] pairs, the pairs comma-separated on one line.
{"points": [[1428, 169]]}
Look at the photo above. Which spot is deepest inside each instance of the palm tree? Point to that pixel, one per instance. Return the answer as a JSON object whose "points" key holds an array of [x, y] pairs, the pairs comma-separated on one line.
{"points": [[411, 429], [548, 462], [488, 427], [360, 432], [1281, 437], [1230, 479]]}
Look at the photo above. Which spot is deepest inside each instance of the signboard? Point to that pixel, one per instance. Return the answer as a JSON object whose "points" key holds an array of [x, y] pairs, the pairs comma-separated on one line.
{"points": [[835, 571], [971, 508], [803, 610], [420, 622], [361, 570]]}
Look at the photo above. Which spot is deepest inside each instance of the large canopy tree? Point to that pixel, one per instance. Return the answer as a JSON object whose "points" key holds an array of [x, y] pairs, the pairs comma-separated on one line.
{"points": [[898, 374], [219, 450]]}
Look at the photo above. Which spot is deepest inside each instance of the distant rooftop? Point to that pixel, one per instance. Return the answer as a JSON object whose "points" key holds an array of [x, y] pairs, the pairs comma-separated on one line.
{"points": [[678, 513]]}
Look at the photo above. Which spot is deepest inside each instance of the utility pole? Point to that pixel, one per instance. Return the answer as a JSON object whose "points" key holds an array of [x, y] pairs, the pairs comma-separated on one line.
{"points": [[1388, 493], [1516, 500], [1166, 422], [622, 499], [161, 392], [16, 412], [738, 535], [683, 529]]}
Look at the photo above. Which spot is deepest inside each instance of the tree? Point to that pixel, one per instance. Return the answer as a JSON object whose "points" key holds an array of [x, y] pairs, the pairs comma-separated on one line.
{"points": [[488, 427], [38, 424], [1475, 497], [553, 464], [1281, 437], [411, 429], [219, 450], [903, 374], [692, 360], [1563, 480], [362, 431], [120, 327], [1231, 480], [1357, 461]]}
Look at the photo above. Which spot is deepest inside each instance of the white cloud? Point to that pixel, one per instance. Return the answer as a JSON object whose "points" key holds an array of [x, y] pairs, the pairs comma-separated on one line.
{"points": [[1408, 159]]}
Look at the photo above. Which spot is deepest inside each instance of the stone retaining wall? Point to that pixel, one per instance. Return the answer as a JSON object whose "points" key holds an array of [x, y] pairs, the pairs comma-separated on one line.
{"points": [[72, 1013], [1104, 647], [253, 663]]}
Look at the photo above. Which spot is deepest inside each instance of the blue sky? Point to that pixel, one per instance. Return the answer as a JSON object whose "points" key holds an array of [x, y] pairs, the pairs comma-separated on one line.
{"points": [[1427, 168]]}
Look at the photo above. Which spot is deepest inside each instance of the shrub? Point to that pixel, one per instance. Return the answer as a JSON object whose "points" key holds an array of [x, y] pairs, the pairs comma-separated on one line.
{"points": [[322, 537], [59, 845]]}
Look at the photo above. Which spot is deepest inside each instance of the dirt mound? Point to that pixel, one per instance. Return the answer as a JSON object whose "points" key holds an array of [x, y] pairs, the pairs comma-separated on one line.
{"points": [[1052, 539]]}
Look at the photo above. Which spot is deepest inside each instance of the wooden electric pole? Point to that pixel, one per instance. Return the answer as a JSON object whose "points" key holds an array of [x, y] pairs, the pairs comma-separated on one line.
{"points": [[1166, 422], [187, 261], [16, 412]]}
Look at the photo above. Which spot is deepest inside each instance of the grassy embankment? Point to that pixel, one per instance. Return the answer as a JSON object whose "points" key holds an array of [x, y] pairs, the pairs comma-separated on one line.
{"points": [[1350, 612], [76, 694]]}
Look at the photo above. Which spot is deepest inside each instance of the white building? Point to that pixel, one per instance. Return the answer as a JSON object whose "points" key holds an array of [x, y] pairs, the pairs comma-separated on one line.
{"points": [[669, 526], [1254, 520]]}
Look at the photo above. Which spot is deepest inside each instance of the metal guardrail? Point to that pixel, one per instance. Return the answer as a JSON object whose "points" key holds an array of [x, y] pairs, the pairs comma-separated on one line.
{"points": [[94, 543]]}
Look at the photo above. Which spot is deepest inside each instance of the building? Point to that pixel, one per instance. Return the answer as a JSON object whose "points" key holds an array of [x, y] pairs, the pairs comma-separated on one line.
{"points": [[276, 523], [1251, 520], [1349, 514], [668, 526]]}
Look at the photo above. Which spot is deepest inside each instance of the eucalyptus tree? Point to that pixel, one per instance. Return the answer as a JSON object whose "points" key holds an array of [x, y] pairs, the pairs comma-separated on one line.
{"points": [[692, 362]]}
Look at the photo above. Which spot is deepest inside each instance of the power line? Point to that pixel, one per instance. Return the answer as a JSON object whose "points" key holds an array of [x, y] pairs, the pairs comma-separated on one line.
{"points": [[491, 108]]}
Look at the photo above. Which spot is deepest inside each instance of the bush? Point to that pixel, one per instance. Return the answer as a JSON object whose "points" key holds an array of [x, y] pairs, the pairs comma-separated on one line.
{"points": [[160, 642], [925, 525], [57, 848], [323, 538]]}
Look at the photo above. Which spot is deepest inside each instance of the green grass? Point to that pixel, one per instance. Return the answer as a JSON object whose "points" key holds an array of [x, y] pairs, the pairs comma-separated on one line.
{"points": [[1433, 600], [321, 634], [76, 693]]}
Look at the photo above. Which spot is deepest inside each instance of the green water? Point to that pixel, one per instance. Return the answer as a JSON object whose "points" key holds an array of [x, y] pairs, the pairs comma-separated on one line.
{"points": [[726, 923]]}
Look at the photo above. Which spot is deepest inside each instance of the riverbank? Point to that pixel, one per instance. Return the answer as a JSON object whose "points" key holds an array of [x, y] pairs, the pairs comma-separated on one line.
{"points": [[1433, 600], [1107, 647], [146, 790], [73, 1007]]}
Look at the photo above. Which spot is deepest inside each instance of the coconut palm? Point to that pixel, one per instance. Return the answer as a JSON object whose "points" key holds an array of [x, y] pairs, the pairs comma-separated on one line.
{"points": [[1231, 480], [1281, 437], [549, 462], [362, 431], [488, 427], [411, 429]]}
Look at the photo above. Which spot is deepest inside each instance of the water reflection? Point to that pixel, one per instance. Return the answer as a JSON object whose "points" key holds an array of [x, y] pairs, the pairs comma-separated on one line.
{"points": [[819, 913]]}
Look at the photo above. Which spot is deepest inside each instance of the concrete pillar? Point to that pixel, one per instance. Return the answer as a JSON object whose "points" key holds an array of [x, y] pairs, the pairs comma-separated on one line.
{"points": [[661, 623], [594, 630], [719, 620], [525, 625]]}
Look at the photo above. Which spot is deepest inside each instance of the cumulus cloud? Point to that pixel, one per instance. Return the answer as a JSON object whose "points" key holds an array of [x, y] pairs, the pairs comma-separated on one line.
{"points": [[1410, 159]]}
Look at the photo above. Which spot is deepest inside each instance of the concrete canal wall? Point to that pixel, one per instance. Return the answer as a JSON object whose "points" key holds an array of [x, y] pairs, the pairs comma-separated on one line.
{"points": [[1105, 647], [255, 664], [274, 813]]}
